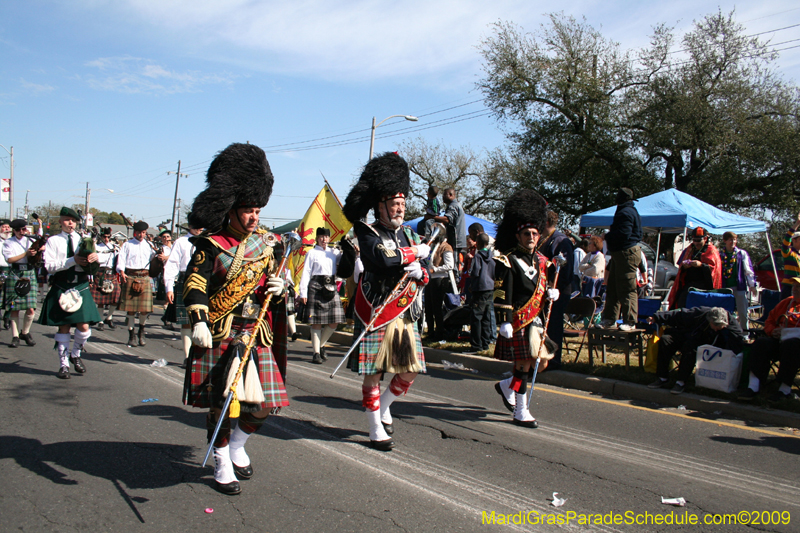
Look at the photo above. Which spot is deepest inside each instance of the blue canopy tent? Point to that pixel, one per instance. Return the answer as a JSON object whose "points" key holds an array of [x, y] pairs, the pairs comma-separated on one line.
{"points": [[673, 210], [488, 227]]}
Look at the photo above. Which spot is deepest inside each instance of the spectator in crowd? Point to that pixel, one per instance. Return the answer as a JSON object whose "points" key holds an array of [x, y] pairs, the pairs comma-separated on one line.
{"points": [[580, 253], [456, 224], [790, 250], [555, 243], [622, 241], [687, 329], [481, 277], [593, 267], [700, 267], [782, 344], [737, 274], [442, 263], [433, 208]]}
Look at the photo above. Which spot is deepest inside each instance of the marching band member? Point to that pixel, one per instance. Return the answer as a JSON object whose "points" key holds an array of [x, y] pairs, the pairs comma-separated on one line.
{"points": [[105, 286], [174, 277], [133, 266], [22, 286]]}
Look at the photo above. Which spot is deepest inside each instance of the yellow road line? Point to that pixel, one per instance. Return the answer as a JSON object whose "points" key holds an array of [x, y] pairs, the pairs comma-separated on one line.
{"points": [[649, 410]]}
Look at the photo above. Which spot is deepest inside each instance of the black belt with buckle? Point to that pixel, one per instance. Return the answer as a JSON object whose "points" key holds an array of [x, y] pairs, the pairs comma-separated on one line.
{"points": [[322, 279], [21, 268]]}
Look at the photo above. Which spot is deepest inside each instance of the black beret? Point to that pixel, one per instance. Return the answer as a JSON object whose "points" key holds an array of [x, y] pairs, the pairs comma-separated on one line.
{"points": [[140, 226], [18, 223], [323, 232]]}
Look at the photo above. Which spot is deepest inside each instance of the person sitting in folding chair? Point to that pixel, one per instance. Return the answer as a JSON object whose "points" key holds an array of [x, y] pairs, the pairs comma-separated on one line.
{"points": [[782, 344], [688, 329]]}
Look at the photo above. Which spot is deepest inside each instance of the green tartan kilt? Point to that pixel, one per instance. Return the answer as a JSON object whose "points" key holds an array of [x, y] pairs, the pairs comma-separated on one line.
{"points": [[206, 373], [176, 312], [53, 315], [369, 346], [137, 303], [3, 270], [12, 301]]}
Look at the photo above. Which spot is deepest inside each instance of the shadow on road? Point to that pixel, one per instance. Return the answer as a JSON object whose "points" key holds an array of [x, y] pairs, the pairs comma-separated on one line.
{"points": [[784, 444]]}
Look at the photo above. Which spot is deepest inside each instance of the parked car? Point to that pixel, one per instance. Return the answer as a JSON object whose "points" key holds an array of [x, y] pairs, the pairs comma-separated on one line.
{"points": [[765, 276], [666, 272]]}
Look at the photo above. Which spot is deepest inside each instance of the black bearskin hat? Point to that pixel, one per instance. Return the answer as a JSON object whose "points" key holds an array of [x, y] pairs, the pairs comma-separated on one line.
{"points": [[525, 208], [239, 176], [385, 176]]}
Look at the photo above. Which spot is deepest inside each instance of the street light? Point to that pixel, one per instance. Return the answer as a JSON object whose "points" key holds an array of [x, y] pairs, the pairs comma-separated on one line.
{"points": [[86, 205], [374, 126]]}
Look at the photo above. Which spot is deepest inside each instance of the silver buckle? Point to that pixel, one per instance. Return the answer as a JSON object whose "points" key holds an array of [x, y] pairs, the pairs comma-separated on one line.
{"points": [[250, 310]]}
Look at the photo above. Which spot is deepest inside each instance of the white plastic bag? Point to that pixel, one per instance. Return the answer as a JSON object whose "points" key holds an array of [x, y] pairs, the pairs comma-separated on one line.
{"points": [[717, 369]]}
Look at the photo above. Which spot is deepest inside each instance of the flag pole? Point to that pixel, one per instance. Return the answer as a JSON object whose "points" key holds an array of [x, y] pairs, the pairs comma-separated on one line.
{"points": [[331, 189]]}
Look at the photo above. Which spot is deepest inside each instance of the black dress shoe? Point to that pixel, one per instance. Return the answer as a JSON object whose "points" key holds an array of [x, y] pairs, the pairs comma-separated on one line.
{"points": [[382, 445], [100, 326], [388, 428], [63, 372], [295, 336], [110, 323], [28, 339], [243, 472], [316, 359], [526, 423], [14, 342], [78, 364], [231, 489], [322, 354], [499, 390]]}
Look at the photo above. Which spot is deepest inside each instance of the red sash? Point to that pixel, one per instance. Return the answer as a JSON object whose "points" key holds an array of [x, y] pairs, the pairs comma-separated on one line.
{"points": [[525, 314], [393, 308]]}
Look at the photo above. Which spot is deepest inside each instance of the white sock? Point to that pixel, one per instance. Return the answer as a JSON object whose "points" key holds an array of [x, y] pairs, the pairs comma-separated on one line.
{"points": [[223, 469], [14, 327], [237, 441], [754, 384], [186, 337], [63, 347], [386, 401], [521, 412], [376, 431], [505, 386], [327, 331], [26, 323], [143, 319], [679, 383], [785, 389], [315, 339], [292, 325], [79, 339], [131, 321]]}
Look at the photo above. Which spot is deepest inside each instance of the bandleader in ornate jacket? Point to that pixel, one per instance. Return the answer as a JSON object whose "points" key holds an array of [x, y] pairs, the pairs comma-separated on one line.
{"points": [[389, 250], [227, 280]]}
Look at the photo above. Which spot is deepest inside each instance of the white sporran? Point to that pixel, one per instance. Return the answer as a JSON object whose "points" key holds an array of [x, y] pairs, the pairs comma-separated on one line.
{"points": [[249, 388], [70, 301]]}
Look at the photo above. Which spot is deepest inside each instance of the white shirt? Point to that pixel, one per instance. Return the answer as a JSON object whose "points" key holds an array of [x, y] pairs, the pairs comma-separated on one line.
{"points": [[3, 262], [55, 253], [443, 270], [178, 261], [12, 247], [106, 253], [135, 255], [579, 255], [319, 262]]}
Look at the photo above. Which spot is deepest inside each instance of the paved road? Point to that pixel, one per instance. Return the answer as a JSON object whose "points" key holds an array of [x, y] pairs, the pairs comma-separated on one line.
{"points": [[88, 455]]}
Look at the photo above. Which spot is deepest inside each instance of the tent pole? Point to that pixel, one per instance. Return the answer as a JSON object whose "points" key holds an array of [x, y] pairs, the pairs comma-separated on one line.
{"points": [[772, 260], [658, 249]]}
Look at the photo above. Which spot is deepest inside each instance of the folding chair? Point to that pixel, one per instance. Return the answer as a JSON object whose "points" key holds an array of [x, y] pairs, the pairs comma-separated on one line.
{"points": [[647, 308], [769, 299], [578, 309], [711, 298]]}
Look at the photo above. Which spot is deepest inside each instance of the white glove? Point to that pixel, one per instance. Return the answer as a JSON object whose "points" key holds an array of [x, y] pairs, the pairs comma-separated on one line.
{"points": [[506, 330], [201, 336], [553, 294], [414, 270], [423, 250], [276, 286]]}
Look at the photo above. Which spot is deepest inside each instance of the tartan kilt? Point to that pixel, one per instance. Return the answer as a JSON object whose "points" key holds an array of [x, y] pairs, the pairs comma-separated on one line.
{"points": [[517, 348], [53, 315], [176, 311], [290, 296], [12, 302], [206, 374], [142, 303], [370, 345], [3, 270], [322, 310], [101, 298]]}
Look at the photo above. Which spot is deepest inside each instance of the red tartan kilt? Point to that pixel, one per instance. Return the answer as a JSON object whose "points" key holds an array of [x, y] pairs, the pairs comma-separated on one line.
{"points": [[517, 348], [101, 298], [206, 374]]}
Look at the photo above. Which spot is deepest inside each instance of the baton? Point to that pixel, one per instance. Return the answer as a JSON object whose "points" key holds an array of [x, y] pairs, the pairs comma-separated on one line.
{"points": [[292, 242], [559, 260]]}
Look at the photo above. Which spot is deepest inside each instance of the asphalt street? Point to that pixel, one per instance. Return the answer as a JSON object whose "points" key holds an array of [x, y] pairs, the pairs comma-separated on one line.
{"points": [[89, 454]]}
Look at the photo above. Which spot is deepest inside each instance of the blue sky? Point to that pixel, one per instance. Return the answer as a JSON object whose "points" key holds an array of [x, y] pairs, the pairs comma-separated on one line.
{"points": [[115, 92]]}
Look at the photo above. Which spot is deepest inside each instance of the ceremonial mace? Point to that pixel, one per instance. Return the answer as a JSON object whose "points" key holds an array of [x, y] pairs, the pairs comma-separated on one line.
{"points": [[397, 289], [291, 242], [558, 260]]}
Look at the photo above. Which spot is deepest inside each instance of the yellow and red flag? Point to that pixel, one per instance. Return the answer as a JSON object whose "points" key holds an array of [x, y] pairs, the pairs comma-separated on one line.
{"points": [[325, 212]]}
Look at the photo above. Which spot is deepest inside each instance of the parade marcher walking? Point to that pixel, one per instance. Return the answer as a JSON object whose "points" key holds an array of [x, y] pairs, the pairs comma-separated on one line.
{"points": [[5, 234], [390, 254], [174, 278], [133, 266], [318, 293], [69, 302], [228, 278], [520, 289], [22, 285], [105, 285]]}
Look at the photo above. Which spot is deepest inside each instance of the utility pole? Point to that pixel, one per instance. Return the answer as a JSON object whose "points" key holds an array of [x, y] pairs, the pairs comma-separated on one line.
{"points": [[178, 176], [26, 203], [86, 205], [178, 214]]}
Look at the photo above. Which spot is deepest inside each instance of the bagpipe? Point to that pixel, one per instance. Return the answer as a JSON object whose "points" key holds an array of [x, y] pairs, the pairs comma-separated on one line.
{"points": [[37, 242]]}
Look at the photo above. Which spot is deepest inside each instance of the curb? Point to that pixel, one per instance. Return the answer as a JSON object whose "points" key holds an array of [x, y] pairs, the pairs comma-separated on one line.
{"points": [[606, 386]]}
